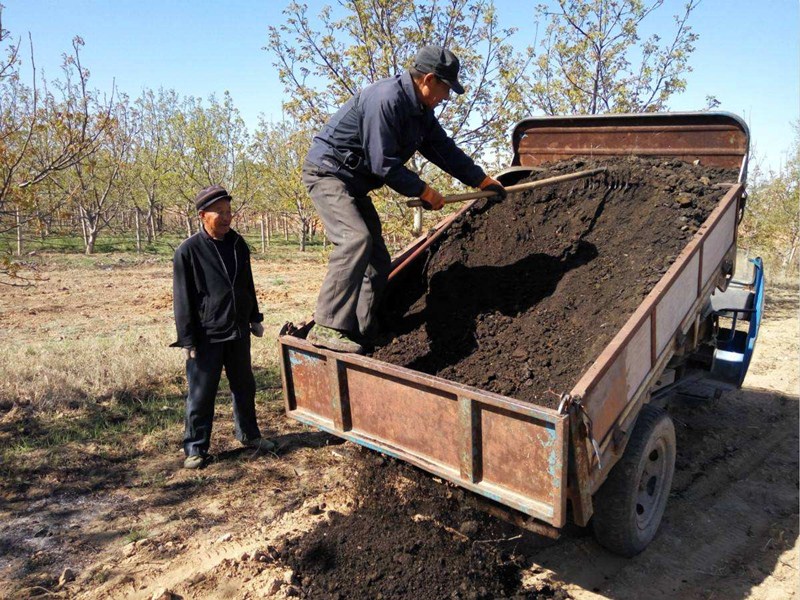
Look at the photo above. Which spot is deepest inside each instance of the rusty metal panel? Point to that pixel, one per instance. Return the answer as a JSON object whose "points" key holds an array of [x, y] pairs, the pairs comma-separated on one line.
{"points": [[308, 382], [513, 449], [608, 396], [610, 392], [637, 359], [718, 241], [509, 451], [674, 305], [580, 491], [470, 441], [714, 139], [416, 418]]}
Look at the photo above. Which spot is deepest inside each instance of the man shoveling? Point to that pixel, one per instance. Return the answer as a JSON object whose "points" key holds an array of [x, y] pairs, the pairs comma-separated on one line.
{"points": [[364, 146]]}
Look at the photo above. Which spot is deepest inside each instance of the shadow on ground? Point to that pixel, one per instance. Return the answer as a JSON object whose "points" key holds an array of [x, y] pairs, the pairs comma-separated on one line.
{"points": [[74, 485], [733, 509]]}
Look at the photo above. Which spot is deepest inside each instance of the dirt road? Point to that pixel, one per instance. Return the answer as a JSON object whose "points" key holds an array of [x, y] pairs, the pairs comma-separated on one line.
{"points": [[132, 524]]}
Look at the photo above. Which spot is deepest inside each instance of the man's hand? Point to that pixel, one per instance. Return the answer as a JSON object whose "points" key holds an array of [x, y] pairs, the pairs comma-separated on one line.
{"points": [[257, 329], [189, 352], [492, 185], [433, 198]]}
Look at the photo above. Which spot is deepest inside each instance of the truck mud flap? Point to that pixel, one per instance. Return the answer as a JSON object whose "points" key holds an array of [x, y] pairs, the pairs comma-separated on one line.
{"points": [[509, 451]]}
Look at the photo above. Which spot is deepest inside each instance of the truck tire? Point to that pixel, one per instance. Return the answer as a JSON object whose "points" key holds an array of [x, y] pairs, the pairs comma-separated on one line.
{"points": [[628, 507]]}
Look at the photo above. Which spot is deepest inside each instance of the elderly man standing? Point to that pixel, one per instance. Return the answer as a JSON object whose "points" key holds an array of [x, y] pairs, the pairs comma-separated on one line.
{"points": [[364, 146], [215, 305]]}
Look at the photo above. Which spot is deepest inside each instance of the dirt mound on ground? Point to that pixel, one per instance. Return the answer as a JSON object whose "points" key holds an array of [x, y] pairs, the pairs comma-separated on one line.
{"points": [[520, 297], [408, 537]]}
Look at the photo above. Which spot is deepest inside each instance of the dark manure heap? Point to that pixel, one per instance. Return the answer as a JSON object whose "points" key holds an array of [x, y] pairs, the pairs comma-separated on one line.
{"points": [[520, 297], [409, 537]]}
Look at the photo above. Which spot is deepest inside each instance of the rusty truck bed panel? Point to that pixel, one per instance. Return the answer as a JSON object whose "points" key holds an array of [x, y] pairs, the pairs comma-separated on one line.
{"points": [[715, 139], [509, 451]]}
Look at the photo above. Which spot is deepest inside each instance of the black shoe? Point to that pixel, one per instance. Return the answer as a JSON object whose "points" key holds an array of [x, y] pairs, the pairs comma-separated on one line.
{"points": [[260, 444]]}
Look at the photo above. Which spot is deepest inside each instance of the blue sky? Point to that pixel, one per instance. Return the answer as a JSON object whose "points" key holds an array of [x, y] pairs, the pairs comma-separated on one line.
{"points": [[748, 54]]}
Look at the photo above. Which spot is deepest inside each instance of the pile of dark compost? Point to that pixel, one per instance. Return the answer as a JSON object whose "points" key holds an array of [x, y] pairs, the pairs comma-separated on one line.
{"points": [[409, 536], [520, 297]]}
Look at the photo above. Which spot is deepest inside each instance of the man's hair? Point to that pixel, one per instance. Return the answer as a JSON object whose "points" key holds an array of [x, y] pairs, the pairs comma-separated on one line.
{"points": [[416, 73]]}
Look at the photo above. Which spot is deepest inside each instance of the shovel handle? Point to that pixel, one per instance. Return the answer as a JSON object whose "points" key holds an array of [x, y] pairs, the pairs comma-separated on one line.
{"points": [[521, 187]]}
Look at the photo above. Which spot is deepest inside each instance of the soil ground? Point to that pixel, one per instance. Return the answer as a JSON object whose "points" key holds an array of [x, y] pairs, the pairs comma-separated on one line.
{"points": [[520, 297], [320, 518]]}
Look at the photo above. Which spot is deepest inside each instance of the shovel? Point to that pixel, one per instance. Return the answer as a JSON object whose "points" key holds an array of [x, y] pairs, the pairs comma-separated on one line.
{"points": [[510, 189]]}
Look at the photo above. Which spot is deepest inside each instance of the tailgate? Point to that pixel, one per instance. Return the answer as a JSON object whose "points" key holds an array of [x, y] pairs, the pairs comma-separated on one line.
{"points": [[509, 451], [715, 139]]}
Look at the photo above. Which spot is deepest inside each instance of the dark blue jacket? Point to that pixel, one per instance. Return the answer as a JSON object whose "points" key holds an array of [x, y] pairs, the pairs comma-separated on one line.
{"points": [[368, 141], [211, 304]]}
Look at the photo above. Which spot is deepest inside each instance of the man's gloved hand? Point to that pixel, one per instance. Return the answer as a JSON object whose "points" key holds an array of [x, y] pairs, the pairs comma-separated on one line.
{"points": [[492, 185], [433, 198], [189, 352], [257, 329]]}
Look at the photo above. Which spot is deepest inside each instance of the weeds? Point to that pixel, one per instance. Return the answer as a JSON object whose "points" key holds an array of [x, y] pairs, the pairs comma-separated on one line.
{"points": [[135, 535]]}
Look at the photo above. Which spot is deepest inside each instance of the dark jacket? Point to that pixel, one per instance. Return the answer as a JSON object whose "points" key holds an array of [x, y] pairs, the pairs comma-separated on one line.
{"points": [[209, 305], [368, 141]]}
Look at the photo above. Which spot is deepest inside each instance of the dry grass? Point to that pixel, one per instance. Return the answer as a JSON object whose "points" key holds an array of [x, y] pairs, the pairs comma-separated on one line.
{"points": [[56, 373], [88, 373], [97, 328]]}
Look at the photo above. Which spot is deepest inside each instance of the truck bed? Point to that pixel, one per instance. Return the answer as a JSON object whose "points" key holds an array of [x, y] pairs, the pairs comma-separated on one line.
{"points": [[514, 452]]}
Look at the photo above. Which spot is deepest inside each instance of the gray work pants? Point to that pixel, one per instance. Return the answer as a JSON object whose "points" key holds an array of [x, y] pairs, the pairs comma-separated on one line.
{"points": [[359, 264]]}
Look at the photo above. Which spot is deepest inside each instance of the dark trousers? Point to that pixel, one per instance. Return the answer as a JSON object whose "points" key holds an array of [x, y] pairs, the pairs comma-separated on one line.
{"points": [[359, 264], [203, 373]]}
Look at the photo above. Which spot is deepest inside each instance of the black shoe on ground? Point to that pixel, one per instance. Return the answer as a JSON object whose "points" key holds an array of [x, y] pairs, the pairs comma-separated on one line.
{"points": [[262, 444]]}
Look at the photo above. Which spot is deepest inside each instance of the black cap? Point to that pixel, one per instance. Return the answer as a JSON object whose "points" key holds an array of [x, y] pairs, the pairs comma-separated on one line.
{"points": [[207, 196], [440, 62]]}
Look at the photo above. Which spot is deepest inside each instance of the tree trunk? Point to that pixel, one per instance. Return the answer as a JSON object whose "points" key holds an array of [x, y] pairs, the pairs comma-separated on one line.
{"points": [[188, 226], [149, 225], [263, 234], [19, 232], [44, 227], [90, 242], [285, 228], [788, 263], [303, 233], [138, 230], [83, 228], [269, 229]]}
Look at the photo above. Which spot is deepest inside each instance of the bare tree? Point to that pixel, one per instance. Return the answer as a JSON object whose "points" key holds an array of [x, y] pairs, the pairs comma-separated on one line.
{"points": [[94, 184], [154, 161], [43, 131], [280, 149], [211, 146], [592, 59]]}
